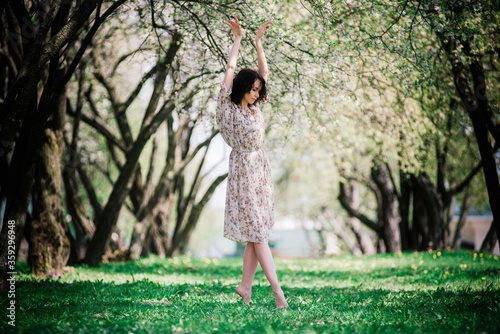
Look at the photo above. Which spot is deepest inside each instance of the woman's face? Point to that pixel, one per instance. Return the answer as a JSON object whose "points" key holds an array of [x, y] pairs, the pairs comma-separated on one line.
{"points": [[253, 94]]}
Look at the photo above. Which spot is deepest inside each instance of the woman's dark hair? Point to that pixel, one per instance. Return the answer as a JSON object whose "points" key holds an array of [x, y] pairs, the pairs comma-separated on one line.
{"points": [[243, 83]]}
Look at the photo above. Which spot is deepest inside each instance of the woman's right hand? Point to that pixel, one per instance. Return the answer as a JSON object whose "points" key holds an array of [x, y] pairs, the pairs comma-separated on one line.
{"points": [[235, 27]]}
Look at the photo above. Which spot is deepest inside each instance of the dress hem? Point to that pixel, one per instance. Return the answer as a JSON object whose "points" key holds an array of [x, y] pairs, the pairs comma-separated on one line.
{"points": [[244, 241]]}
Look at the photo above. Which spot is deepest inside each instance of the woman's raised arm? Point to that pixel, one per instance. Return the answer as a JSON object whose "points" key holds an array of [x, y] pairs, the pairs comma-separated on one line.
{"points": [[233, 55], [261, 57]]}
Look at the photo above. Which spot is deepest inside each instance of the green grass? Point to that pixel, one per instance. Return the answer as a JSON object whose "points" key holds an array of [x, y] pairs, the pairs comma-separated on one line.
{"points": [[431, 292]]}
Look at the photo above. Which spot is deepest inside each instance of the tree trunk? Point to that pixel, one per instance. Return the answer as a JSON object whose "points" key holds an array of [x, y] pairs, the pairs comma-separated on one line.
{"points": [[364, 240], [141, 242], [138, 238], [329, 242], [137, 191], [388, 207], [49, 246], [490, 240], [34, 48], [463, 218], [428, 211], [343, 199], [420, 225], [158, 239], [194, 216], [163, 240], [109, 216], [407, 241], [83, 225], [21, 172], [477, 106], [349, 241]]}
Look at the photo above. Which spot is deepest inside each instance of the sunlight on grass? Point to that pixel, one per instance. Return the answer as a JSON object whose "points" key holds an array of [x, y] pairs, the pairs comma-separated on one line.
{"points": [[412, 292]]}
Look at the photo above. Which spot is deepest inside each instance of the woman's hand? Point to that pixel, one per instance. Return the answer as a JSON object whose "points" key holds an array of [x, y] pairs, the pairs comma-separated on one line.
{"points": [[261, 58], [262, 30], [235, 27], [233, 55]]}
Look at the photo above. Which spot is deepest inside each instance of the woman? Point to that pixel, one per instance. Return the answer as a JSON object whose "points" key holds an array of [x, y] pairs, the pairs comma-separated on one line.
{"points": [[249, 196]]}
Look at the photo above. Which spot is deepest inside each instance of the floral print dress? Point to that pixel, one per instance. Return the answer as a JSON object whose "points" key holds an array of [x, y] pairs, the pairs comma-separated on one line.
{"points": [[249, 195]]}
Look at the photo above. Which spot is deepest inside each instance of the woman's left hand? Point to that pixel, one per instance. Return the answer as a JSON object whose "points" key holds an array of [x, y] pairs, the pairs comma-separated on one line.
{"points": [[262, 30]]}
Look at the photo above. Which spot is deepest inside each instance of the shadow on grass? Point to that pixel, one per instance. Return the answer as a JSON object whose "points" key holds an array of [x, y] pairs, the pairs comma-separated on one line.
{"points": [[413, 293], [144, 306], [429, 273]]}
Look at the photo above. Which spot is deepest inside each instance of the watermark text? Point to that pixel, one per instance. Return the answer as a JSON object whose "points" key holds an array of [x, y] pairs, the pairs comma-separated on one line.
{"points": [[11, 267]]}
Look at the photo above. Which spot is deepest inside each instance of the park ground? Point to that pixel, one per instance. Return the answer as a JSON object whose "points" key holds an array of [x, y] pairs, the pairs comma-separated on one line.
{"points": [[427, 292]]}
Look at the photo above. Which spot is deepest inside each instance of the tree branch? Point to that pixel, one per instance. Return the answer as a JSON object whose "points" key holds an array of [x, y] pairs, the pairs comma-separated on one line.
{"points": [[161, 76], [149, 178], [124, 57], [355, 213], [461, 186], [101, 127], [86, 42], [391, 177], [195, 214]]}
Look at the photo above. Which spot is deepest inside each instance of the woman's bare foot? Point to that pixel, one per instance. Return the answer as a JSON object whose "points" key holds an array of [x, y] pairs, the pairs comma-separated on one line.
{"points": [[245, 294], [279, 295]]}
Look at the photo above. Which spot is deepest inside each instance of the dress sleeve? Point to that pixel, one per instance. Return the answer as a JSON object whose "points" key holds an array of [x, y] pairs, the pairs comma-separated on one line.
{"points": [[225, 93], [223, 105]]}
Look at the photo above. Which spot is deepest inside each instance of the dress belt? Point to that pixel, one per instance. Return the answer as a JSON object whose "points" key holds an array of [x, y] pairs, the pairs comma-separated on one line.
{"points": [[247, 151]]}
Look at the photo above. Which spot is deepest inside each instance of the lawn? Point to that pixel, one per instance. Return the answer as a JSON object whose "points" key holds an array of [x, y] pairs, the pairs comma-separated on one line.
{"points": [[429, 292]]}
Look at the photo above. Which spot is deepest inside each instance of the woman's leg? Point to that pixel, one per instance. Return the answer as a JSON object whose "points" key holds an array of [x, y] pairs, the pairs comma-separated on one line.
{"points": [[250, 263], [265, 258]]}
